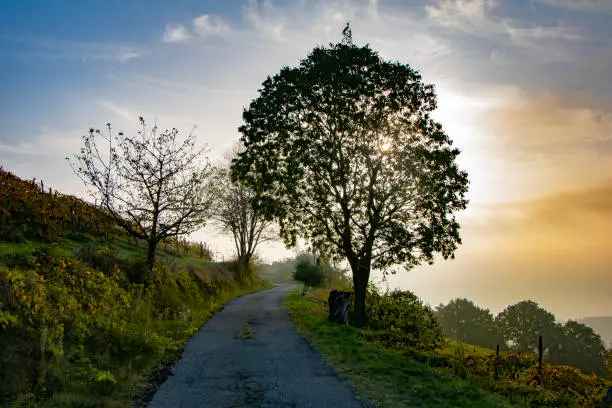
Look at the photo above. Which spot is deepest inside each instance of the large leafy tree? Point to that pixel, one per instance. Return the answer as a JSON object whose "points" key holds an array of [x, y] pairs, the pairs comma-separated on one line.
{"points": [[342, 152], [153, 184], [578, 345], [523, 322], [464, 321]]}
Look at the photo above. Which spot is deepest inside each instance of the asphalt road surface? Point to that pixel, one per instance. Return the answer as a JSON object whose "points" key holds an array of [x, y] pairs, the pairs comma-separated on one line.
{"points": [[250, 355]]}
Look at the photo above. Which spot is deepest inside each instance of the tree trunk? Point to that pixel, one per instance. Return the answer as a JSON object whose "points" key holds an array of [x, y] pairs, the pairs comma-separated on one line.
{"points": [[360, 283], [244, 272], [152, 246]]}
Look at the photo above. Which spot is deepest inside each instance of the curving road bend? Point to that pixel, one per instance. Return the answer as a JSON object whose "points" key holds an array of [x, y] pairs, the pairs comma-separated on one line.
{"points": [[250, 355]]}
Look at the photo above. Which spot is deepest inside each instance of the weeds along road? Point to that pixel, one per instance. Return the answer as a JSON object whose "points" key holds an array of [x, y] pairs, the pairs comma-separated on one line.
{"points": [[250, 355]]}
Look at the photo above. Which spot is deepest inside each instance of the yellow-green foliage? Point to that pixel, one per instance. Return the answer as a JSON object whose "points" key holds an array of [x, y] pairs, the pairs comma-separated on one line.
{"points": [[518, 378], [69, 332]]}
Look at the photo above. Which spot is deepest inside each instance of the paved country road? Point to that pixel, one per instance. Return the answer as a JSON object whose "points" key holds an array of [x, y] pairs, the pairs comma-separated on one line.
{"points": [[222, 367]]}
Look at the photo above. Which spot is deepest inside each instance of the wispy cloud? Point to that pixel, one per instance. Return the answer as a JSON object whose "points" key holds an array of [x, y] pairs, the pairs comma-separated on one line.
{"points": [[176, 33], [465, 15], [520, 34], [582, 5], [54, 48], [48, 142], [207, 25], [485, 20]]}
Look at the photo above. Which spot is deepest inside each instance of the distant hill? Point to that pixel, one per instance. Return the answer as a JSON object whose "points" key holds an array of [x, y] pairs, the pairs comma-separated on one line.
{"points": [[602, 325]]}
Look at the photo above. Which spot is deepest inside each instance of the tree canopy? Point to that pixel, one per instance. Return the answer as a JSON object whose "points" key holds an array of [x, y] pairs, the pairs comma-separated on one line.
{"points": [[523, 322], [464, 321], [342, 151], [578, 345]]}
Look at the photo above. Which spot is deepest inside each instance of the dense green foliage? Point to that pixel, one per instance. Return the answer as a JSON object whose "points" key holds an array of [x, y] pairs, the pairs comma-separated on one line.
{"points": [[309, 274], [464, 321], [343, 152], [401, 320]]}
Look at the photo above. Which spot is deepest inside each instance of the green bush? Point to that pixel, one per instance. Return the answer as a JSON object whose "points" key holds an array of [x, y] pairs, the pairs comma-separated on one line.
{"points": [[399, 320], [309, 274]]}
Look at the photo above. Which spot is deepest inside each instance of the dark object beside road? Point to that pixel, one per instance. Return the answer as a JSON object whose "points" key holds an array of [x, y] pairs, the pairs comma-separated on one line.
{"points": [[339, 303]]}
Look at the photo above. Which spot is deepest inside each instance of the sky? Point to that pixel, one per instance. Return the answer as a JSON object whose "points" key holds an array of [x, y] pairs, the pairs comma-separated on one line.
{"points": [[523, 89]]}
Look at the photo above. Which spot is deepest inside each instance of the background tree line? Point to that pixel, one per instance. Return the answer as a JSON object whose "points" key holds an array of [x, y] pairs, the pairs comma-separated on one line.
{"points": [[518, 326]]}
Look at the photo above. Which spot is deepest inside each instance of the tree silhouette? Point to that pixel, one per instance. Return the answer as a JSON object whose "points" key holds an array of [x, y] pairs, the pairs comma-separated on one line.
{"points": [[342, 152], [152, 184], [523, 322], [578, 345], [232, 210]]}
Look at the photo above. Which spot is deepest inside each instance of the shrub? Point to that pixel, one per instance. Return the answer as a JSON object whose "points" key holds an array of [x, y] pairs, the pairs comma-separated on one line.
{"points": [[309, 274], [400, 320]]}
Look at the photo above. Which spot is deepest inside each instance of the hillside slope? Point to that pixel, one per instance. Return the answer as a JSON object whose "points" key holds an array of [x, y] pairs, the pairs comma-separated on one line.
{"points": [[82, 322]]}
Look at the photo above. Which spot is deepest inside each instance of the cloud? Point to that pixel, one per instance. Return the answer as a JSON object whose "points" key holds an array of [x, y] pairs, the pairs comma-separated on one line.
{"points": [[545, 142], [550, 122], [207, 25], [489, 22], [48, 142], [520, 34], [49, 48], [582, 5], [466, 15], [176, 33]]}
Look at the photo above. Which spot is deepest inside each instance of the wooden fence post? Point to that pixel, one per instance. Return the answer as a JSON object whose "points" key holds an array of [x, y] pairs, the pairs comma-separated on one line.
{"points": [[540, 355], [497, 362]]}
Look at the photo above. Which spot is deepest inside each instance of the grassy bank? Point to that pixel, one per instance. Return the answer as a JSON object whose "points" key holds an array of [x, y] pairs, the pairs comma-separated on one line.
{"points": [[384, 377], [76, 331], [391, 374]]}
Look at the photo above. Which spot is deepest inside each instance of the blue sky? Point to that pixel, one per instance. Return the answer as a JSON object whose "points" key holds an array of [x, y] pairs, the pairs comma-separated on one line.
{"points": [[524, 90]]}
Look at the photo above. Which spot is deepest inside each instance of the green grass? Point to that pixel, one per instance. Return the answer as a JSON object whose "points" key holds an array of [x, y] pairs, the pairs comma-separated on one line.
{"points": [[382, 377], [126, 250], [451, 347]]}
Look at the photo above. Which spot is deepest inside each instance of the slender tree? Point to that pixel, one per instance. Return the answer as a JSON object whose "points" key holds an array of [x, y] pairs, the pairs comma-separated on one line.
{"points": [[234, 213], [154, 185], [342, 151]]}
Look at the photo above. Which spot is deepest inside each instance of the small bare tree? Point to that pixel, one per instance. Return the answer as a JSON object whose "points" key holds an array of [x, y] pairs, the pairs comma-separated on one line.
{"points": [[154, 185], [233, 213]]}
